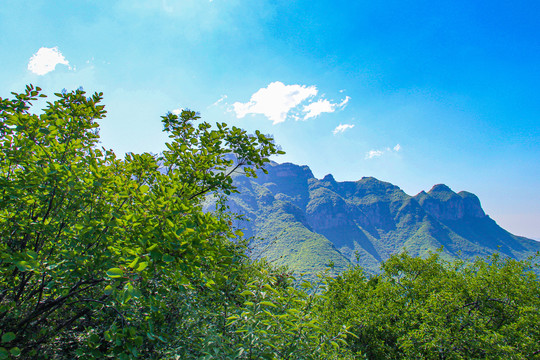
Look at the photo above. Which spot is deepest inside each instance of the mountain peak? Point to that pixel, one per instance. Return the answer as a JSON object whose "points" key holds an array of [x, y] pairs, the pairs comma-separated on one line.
{"points": [[289, 169], [445, 204], [440, 188], [472, 204], [329, 177]]}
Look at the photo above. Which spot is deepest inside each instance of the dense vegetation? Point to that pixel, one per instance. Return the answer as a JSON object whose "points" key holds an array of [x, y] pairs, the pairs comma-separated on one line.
{"points": [[102, 257], [432, 309]]}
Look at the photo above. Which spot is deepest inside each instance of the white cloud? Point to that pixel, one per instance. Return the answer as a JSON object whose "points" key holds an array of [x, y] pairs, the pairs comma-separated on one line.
{"points": [[45, 60], [322, 105], [374, 153], [316, 108], [345, 101], [342, 128], [177, 111], [275, 101], [378, 153], [278, 101]]}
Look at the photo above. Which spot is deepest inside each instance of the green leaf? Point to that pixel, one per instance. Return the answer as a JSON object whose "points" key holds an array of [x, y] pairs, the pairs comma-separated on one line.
{"points": [[7, 337], [162, 339], [23, 266], [108, 290], [143, 265], [267, 303], [32, 254], [115, 273], [15, 351], [134, 263], [131, 290]]}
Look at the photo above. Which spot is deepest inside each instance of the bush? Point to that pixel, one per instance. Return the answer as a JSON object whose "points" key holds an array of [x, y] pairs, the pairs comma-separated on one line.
{"points": [[432, 309]]}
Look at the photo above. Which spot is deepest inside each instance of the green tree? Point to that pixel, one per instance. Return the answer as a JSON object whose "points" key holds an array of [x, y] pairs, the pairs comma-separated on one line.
{"points": [[276, 319], [108, 257], [432, 309]]}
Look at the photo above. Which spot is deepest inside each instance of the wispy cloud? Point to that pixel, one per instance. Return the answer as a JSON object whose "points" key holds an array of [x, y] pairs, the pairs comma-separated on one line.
{"points": [[316, 108], [45, 60], [275, 101], [323, 106], [378, 153], [220, 100], [345, 101], [374, 153], [342, 128]]}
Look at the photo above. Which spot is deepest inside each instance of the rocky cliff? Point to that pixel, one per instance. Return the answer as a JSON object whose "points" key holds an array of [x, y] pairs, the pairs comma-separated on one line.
{"points": [[306, 223]]}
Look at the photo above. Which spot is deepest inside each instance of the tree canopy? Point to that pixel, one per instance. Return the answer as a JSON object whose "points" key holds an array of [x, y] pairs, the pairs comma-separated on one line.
{"points": [[434, 309]]}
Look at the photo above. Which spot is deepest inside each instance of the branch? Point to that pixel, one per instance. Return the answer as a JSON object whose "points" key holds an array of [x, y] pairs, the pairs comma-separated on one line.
{"points": [[211, 187], [54, 304], [102, 303]]}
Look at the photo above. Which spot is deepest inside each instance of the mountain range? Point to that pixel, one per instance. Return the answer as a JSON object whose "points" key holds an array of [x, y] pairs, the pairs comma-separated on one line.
{"points": [[305, 223]]}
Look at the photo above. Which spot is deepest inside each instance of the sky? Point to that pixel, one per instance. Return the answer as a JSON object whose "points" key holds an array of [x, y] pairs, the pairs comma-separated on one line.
{"points": [[415, 93]]}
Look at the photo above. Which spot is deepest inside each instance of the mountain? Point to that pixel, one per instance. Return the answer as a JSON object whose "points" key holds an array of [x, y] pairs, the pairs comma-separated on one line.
{"points": [[307, 223]]}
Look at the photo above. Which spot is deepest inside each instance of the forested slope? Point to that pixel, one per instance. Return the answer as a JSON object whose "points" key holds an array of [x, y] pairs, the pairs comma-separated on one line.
{"points": [[305, 223]]}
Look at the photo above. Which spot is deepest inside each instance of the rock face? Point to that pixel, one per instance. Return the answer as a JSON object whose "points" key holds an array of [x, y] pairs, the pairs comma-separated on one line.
{"points": [[444, 204], [305, 223]]}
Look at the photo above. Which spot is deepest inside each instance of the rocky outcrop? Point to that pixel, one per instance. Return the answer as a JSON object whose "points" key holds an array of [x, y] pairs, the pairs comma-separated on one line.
{"points": [[292, 212], [444, 204]]}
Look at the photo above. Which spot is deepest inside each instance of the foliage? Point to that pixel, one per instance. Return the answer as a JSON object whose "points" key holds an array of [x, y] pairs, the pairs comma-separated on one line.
{"points": [[277, 321], [432, 309], [103, 257], [267, 314]]}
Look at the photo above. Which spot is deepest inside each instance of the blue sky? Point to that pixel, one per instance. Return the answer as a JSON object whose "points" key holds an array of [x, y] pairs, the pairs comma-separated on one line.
{"points": [[414, 93]]}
